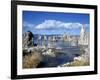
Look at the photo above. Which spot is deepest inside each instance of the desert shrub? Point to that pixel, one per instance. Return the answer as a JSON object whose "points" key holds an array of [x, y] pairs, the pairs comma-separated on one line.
{"points": [[82, 51], [31, 60], [79, 63], [76, 63]]}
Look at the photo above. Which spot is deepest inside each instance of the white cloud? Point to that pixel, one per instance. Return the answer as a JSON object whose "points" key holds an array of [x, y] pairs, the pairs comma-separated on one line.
{"points": [[28, 25], [54, 24]]}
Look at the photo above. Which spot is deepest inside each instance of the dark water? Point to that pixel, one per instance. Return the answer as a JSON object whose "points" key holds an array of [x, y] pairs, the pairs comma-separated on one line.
{"points": [[58, 60]]}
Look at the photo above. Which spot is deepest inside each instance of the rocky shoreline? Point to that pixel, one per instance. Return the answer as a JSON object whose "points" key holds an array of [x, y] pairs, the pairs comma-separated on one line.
{"points": [[82, 60], [33, 54]]}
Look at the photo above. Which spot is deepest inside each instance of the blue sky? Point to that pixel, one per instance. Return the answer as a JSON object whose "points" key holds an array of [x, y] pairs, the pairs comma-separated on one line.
{"points": [[54, 23]]}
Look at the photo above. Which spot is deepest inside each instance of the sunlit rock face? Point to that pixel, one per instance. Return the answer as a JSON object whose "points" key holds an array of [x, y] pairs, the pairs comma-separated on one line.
{"points": [[66, 37], [28, 38], [74, 41], [84, 37]]}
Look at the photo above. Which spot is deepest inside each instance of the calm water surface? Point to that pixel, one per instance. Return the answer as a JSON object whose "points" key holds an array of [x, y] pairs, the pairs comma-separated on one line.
{"points": [[66, 54]]}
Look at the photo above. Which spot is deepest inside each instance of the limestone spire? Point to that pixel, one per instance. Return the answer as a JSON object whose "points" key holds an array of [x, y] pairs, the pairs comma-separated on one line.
{"points": [[82, 30]]}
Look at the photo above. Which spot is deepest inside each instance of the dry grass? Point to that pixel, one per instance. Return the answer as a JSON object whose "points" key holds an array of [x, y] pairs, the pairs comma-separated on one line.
{"points": [[31, 60], [79, 63]]}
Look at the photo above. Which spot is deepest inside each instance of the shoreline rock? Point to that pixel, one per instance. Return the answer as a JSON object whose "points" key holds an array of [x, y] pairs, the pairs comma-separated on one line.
{"points": [[82, 60]]}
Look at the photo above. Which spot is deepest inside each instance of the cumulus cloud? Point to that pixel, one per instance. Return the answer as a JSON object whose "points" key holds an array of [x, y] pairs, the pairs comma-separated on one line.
{"points": [[54, 24]]}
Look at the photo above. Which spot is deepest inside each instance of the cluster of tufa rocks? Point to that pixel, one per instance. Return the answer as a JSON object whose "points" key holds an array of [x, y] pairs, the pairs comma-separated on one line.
{"points": [[28, 39]]}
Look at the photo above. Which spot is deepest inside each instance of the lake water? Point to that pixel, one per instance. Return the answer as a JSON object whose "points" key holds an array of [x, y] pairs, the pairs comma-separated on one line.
{"points": [[66, 54]]}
